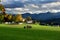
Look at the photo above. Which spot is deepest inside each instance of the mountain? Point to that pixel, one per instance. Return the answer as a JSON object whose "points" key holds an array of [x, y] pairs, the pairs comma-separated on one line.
{"points": [[42, 16]]}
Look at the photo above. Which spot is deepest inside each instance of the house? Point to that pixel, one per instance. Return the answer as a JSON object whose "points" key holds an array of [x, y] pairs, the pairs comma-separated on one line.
{"points": [[29, 22]]}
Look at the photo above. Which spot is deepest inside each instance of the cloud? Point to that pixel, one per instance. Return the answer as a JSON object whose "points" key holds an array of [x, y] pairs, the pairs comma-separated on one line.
{"points": [[54, 11], [51, 6], [17, 10], [14, 5], [32, 6], [54, 4], [21, 9], [8, 9]]}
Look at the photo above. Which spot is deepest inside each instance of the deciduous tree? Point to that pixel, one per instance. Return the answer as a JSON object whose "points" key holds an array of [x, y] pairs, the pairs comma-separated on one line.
{"points": [[19, 18]]}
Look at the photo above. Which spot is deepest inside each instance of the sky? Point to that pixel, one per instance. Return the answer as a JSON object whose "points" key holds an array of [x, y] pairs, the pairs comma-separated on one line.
{"points": [[31, 6]]}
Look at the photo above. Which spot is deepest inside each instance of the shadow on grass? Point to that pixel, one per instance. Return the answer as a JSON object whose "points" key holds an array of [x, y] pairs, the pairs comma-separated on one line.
{"points": [[27, 34]]}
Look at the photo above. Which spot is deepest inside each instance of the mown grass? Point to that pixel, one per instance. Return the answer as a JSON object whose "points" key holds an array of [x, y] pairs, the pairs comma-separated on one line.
{"points": [[38, 32]]}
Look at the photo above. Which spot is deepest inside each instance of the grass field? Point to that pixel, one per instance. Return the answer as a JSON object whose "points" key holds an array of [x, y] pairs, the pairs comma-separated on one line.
{"points": [[37, 32]]}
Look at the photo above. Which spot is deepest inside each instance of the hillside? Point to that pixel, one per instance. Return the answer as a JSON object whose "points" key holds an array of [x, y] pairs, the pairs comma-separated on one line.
{"points": [[42, 16]]}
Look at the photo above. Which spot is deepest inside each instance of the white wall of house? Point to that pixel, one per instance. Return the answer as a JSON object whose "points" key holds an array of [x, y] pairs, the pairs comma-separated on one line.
{"points": [[30, 21], [20, 23]]}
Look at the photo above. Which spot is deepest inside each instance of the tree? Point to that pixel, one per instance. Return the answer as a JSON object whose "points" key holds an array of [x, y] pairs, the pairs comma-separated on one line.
{"points": [[5, 17], [2, 9], [1, 18], [28, 18], [9, 18], [18, 18], [13, 18]]}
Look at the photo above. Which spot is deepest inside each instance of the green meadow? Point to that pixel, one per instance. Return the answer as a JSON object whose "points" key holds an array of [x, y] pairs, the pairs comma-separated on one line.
{"points": [[37, 32]]}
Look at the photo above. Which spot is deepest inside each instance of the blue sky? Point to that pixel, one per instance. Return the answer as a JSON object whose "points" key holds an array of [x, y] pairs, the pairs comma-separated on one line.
{"points": [[32, 6]]}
